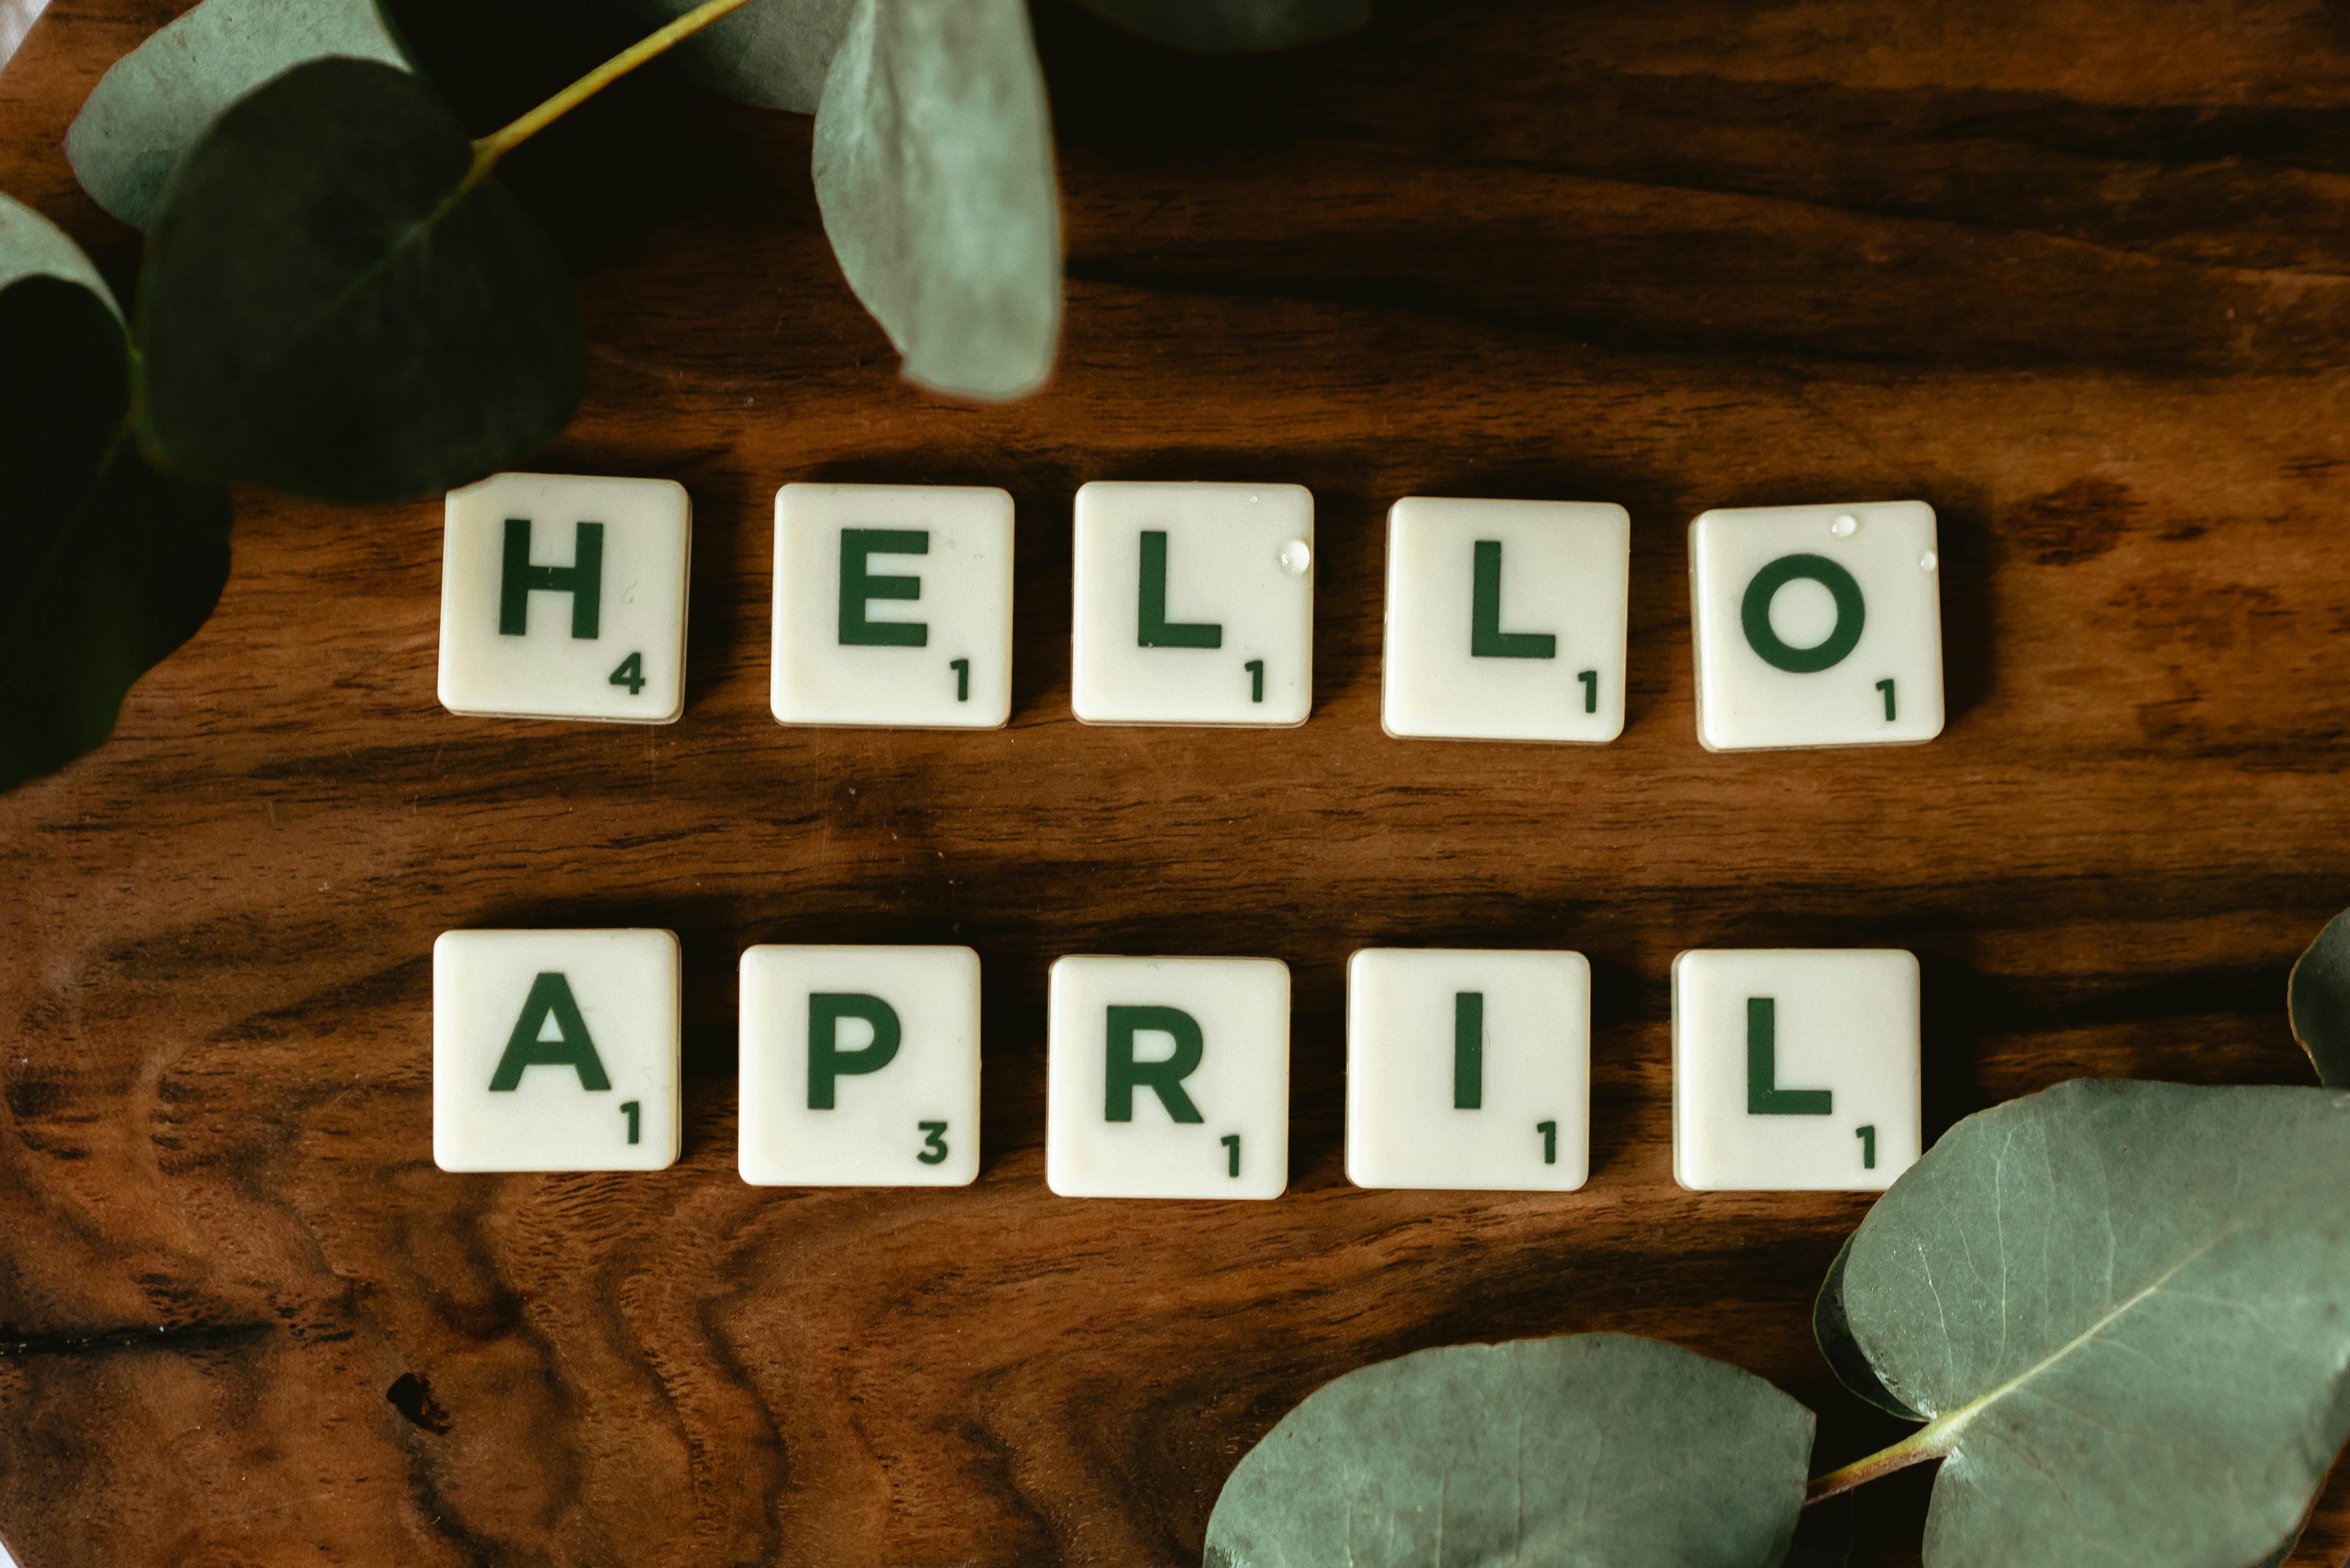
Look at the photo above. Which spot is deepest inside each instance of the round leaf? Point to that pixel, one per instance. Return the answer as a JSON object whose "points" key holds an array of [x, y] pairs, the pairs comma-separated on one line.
{"points": [[1235, 27], [2126, 1308], [1589, 1449], [2318, 999], [329, 307], [112, 565], [772, 53], [1841, 1350], [934, 171], [32, 246], [156, 99]]}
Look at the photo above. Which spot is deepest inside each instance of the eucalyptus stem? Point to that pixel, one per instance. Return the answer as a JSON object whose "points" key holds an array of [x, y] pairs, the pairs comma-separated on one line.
{"points": [[1928, 1443], [498, 143]]}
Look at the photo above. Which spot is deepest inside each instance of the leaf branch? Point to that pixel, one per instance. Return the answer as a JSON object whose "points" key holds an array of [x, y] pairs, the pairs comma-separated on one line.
{"points": [[498, 143], [1921, 1447]]}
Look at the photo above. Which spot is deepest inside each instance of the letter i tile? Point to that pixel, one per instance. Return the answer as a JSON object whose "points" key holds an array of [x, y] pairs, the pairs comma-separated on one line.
{"points": [[555, 1050], [563, 596], [861, 1067], [1169, 1078]]}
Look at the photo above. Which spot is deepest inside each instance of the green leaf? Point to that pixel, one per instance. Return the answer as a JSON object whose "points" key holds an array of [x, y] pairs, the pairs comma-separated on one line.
{"points": [[332, 307], [2317, 997], [1594, 1448], [110, 565], [2125, 1308], [32, 246], [1235, 27], [157, 98], [772, 53], [934, 171], [1841, 1350]]}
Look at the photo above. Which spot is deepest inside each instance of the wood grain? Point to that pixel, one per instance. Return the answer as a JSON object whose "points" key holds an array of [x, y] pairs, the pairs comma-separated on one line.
{"points": [[2076, 273]]}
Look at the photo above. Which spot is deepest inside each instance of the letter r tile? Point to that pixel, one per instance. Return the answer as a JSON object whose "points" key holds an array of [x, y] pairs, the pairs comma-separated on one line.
{"points": [[1169, 1078]]}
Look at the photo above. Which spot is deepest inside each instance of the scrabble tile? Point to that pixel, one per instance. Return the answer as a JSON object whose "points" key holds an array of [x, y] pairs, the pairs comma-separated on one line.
{"points": [[564, 598], [1169, 1078], [1816, 626], [1505, 619], [1795, 1069], [893, 605], [861, 1067], [555, 1050], [1194, 605], [1468, 1069]]}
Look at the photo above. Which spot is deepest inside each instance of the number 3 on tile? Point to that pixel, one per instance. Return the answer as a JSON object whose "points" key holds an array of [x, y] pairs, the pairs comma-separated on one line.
{"points": [[631, 674], [934, 1143]]}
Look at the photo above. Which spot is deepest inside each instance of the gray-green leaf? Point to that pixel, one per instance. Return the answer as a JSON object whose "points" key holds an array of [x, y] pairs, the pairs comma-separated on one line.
{"points": [[32, 246], [1236, 26], [333, 306], [2318, 999], [2126, 1308], [770, 53], [934, 171], [157, 98], [112, 565], [1593, 1450]]}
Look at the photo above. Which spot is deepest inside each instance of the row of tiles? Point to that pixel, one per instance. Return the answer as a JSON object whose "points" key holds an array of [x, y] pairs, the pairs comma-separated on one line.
{"points": [[564, 597], [1169, 1077]]}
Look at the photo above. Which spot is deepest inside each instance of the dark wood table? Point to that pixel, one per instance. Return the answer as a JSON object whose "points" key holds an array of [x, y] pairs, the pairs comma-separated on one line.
{"points": [[2077, 274]]}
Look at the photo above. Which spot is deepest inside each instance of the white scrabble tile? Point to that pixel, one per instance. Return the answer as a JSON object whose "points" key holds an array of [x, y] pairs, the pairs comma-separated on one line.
{"points": [[1169, 1078], [1194, 604], [563, 596], [1468, 1069], [861, 1067], [1505, 619], [555, 1050], [1795, 1069], [1816, 626], [893, 605]]}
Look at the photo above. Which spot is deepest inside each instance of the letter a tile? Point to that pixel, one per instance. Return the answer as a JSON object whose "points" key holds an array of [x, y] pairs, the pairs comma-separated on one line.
{"points": [[1169, 1078], [555, 1050], [563, 596]]}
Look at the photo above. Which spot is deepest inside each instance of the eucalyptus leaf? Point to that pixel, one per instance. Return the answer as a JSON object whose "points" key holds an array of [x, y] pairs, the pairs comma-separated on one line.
{"points": [[1236, 26], [770, 53], [2126, 1308], [1841, 1350], [333, 306], [32, 246], [156, 99], [2318, 999], [934, 171], [1594, 1449], [111, 565]]}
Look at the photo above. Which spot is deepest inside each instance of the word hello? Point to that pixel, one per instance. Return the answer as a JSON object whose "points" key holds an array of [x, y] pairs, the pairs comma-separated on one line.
{"points": [[1169, 1077], [564, 597]]}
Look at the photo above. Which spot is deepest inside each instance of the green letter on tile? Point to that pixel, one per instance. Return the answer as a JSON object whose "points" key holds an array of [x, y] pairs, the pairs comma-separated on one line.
{"points": [[1123, 1075], [1486, 638], [1154, 630], [1764, 1095], [550, 999], [583, 579], [1852, 614], [1468, 1049], [826, 1061], [858, 588]]}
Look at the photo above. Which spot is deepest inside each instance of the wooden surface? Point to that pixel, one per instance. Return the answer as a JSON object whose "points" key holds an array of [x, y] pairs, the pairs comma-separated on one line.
{"points": [[2076, 273]]}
